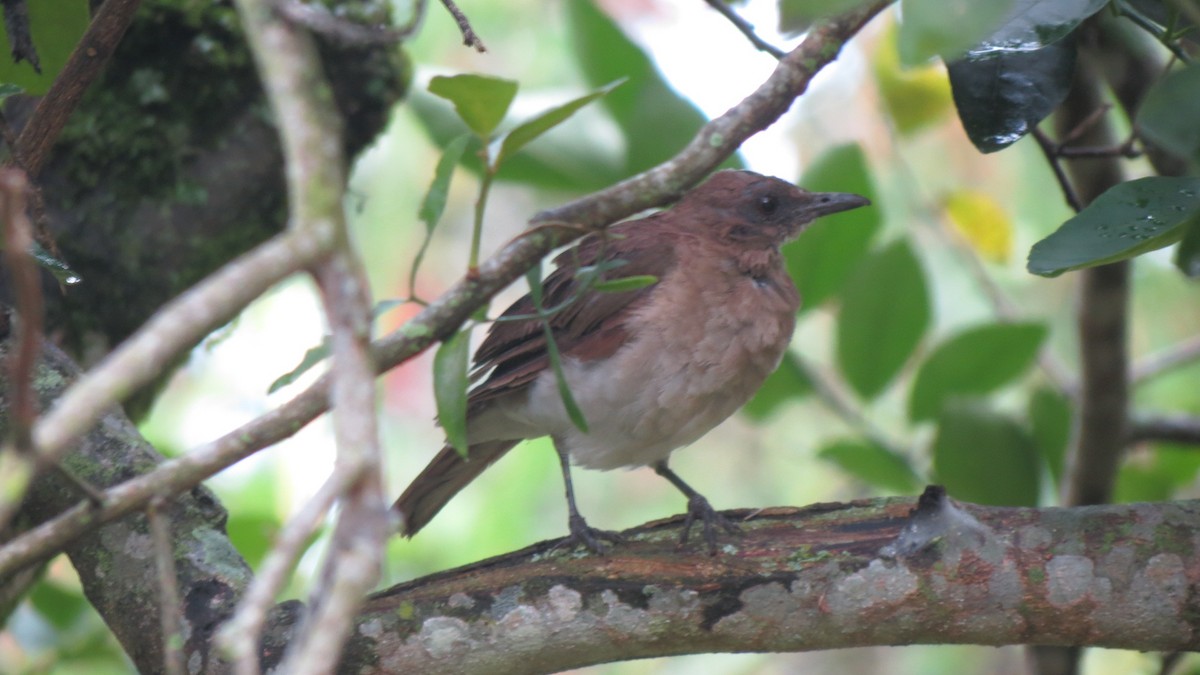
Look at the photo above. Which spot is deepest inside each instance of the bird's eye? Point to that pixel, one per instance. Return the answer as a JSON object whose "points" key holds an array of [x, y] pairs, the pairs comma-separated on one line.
{"points": [[768, 204]]}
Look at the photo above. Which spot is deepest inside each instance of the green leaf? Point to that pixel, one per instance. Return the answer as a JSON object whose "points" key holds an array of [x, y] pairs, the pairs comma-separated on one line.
{"points": [[534, 278], [61, 607], [450, 366], [983, 457], [946, 28], [1034, 24], [1003, 95], [1187, 258], [55, 266], [623, 284], [525, 132], [9, 89], [654, 120], [1167, 116], [1157, 474], [312, 357], [872, 464], [821, 260], [1050, 422], [434, 202], [797, 15], [885, 311], [55, 28], [976, 361], [790, 380], [481, 101], [1127, 220]]}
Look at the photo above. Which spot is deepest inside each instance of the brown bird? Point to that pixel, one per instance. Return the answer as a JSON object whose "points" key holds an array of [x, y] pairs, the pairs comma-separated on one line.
{"points": [[651, 369]]}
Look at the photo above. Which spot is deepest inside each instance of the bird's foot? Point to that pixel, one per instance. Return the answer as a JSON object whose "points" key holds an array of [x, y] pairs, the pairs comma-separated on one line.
{"points": [[589, 537], [710, 518]]}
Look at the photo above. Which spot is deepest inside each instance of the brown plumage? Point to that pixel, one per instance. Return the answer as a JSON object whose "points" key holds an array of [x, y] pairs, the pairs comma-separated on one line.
{"points": [[652, 369]]}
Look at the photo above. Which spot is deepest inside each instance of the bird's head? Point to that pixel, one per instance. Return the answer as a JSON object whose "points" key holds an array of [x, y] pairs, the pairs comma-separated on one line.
{"points": [[748, 209]]}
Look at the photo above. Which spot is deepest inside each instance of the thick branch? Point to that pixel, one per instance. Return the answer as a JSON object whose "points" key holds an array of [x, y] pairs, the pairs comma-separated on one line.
{"points": [[805, 579]]}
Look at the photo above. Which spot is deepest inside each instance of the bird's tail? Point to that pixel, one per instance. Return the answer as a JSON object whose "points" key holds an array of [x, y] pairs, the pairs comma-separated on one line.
{"points": [[442, 479]]}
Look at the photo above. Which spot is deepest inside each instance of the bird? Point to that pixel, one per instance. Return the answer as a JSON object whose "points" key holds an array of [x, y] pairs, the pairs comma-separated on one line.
{"points": [[651, 368]]}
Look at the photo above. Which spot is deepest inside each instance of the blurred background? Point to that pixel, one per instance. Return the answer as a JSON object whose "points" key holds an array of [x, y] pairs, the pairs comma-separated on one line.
{"points": [[866, 124]]}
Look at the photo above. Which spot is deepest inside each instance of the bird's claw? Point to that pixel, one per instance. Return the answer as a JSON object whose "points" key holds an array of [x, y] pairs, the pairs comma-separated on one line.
{"points": [[700, 509], [589, 537]]}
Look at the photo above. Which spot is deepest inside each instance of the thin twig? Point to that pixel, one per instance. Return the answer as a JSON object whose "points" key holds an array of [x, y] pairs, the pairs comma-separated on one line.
{"points": [[84, 65], [1168, 429], [746, 28], [833, 395], [170, 609], [241, 634], [715, 141], [340, 30], [470, 38], [18, 239], [1166, 360], [1050, 150]]}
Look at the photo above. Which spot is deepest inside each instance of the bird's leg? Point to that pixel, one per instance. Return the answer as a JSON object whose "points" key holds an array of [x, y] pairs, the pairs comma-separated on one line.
{"points": [[581, 532], [698, 507]]}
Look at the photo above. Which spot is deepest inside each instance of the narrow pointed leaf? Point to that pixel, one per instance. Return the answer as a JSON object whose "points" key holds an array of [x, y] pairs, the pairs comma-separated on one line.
{"points": [[1129, 219], [526, 132], [625, 283], [450, 382], [481, 101], [434, 202], [534, 278], [974, 362], [312, 357]]}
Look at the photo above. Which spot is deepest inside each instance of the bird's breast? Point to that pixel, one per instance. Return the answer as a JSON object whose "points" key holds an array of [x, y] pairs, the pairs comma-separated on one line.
{"points": [[697, 351]]}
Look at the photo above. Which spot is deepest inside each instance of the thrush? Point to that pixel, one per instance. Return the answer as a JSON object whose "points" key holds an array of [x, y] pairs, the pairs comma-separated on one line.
{"points": [[651, 369]]}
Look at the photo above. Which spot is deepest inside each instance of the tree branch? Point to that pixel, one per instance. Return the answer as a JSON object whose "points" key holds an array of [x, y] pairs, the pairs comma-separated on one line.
{"points": [[1171, 429], [825, 576]]}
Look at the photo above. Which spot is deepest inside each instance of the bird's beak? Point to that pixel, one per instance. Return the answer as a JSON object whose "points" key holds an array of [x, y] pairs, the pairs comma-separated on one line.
{"points": [[826, 203]]}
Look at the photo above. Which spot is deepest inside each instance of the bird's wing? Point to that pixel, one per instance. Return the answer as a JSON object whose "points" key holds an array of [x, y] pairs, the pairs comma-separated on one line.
{"points": [[588, 325]]}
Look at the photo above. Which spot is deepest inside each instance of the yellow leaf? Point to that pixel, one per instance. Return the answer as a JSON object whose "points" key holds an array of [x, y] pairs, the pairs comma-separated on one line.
{"points": [[982, 221], [914, 97]]}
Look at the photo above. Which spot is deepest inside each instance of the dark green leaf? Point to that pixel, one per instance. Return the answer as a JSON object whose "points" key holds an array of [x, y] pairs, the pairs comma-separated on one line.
{"points": [[527, 131], [481, 101], [1129, 219], [789, 381], [797, 15], [9, 89], [1034, 24], [821, 259], [655, 121], [1050, 422], [312, 357], [872, 464], [946, 28], [625, 283], [885, 311], [450, 366], [56, 267], [985, 458], [976, 361], [1003, 95], [435, 198], [1187, 258], [55, 28], [1168, 115]]}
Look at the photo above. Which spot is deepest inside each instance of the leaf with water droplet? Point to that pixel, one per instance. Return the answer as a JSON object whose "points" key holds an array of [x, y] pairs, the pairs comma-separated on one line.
{"points": [[1085, 240]]}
